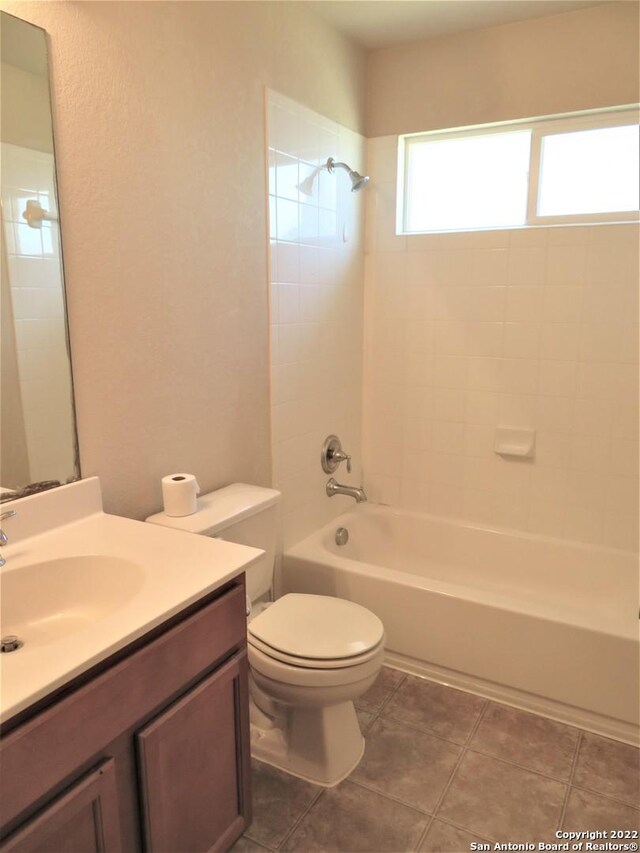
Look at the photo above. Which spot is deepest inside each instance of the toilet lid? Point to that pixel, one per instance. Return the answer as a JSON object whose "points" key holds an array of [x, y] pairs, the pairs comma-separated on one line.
{"points": [[317, 627]]}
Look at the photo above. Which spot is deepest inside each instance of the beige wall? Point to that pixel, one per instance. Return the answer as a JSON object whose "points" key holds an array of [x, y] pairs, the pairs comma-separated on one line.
{"points": [[579, 60], [159, 122]]}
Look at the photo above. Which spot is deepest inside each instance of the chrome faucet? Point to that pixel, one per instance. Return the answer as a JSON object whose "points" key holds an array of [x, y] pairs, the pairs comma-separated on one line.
{"points": [[3, 536], [334, 488]]}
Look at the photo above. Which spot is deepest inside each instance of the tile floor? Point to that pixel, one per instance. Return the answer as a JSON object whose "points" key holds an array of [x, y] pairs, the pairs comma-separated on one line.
{"points": [[443, 769]]}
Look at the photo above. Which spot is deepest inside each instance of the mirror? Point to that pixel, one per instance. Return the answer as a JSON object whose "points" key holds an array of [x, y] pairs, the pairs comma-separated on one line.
{"points": [[38, 442]]}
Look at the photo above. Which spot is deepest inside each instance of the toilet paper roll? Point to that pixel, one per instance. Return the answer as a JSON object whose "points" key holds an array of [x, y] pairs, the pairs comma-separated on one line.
{"points": [[180, 494]]}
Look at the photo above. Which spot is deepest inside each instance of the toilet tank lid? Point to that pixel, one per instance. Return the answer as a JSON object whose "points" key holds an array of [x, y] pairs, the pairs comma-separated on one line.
{"points": [[217, 510]]}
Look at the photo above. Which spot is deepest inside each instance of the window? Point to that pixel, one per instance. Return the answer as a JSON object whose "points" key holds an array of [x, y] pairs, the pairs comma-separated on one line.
{"points": [[569, 170], [589, 171]]}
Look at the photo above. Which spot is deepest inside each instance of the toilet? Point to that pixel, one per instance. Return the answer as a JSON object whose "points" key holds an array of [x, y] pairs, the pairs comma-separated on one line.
{"points": [[310, 656]]}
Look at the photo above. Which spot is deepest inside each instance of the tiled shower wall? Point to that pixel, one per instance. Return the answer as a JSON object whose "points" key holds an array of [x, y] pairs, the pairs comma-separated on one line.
{"points": [[34, 263], [465, 332], [316, 292]]}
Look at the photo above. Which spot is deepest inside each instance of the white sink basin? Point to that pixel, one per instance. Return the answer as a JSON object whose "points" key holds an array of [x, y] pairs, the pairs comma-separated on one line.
{"points": [[80, 585], [49, 600]]}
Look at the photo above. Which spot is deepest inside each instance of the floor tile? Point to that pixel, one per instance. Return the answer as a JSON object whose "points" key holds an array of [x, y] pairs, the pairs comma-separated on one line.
{"points": [[352, 818], [405, 763], [526, 739], [591, 811], [278, 801], [246, 845], [365, 719], [377, 695], [443, 838], [609, 767], [435, 708], [502, 802]]}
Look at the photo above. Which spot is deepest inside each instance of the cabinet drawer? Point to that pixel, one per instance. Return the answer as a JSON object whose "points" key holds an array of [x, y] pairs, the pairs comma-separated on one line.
{"points": [[83, 820], [47, 749]]}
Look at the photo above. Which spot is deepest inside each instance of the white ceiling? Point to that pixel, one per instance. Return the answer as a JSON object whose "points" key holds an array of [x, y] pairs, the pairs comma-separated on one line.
{"points": [[380, 23]]}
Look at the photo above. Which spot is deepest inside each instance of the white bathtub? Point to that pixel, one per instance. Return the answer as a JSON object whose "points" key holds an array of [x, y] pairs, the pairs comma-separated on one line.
{"points": [[543, 624]]}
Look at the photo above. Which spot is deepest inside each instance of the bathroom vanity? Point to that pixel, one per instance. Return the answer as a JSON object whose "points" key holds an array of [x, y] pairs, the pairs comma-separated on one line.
{"points": [[153, 745], [145, 746]]}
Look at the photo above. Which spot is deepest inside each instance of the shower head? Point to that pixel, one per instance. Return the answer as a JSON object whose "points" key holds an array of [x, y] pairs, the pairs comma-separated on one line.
{"points": [[357, 180]]}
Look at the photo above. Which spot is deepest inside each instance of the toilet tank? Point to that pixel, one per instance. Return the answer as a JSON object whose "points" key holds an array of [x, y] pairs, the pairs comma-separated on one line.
{"points": [[237, 513]]}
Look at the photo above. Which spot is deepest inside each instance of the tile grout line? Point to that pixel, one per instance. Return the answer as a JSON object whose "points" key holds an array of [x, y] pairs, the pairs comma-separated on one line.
{"points": [[300, 818], [376, 717], [393, 799], [424, 834], [425, 731], [574, 764], [606, 796], [463, 752], [385, 702], [476, 726], [466, 829], [260, 844], [524, 767], [245, 834]]}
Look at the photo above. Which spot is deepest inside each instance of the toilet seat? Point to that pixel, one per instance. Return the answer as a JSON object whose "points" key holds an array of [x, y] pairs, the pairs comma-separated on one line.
{"points": [[282, 675], [316, 631], [311, 663]]}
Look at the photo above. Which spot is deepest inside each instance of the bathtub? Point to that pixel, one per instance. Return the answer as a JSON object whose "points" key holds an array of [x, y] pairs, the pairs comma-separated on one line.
{"points": [[543, 624]]}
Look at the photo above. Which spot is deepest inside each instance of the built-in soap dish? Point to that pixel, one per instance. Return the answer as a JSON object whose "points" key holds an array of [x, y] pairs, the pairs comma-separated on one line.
{"points": [[515, 441]]}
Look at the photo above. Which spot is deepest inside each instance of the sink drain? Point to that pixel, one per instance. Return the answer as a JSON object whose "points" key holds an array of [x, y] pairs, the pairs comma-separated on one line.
{"points": [[10, 643]]}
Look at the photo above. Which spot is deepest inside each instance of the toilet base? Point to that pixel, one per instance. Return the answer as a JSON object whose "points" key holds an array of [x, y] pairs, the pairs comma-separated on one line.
{"points": [[321, 745]]}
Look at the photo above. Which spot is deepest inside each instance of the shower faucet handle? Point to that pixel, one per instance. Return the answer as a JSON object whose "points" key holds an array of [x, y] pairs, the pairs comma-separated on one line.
{"points": [[332, 455], [341, 456]]}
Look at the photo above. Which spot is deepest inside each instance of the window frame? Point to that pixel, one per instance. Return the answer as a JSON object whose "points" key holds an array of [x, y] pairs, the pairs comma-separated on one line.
{"points": [[540, 128]]}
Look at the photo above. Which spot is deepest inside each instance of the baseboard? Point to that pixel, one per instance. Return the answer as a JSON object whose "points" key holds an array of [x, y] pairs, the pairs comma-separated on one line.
{"points": [[597, 723]]}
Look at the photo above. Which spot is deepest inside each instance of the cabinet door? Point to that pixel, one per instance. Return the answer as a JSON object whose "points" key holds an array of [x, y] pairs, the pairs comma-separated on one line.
{"points": [[83, 820], [194, 766]]}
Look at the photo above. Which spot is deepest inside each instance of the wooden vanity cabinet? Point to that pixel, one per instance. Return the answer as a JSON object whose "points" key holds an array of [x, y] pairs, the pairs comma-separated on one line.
{"points": [[85, 818], [151, 753]]}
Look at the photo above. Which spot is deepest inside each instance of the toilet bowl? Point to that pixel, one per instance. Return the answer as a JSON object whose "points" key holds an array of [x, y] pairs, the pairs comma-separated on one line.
{"points": [[310, 656]]}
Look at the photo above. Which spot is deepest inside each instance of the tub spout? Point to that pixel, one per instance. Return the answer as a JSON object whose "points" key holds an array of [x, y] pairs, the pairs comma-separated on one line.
{"points": [[355, 492]]}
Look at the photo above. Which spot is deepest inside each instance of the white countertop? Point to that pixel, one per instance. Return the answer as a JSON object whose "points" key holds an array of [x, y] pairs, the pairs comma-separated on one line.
{"points": [[173, 570]]}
